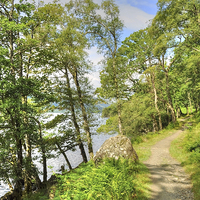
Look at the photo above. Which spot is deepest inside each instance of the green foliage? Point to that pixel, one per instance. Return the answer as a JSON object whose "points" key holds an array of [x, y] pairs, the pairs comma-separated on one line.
{"points": [[136, 117], [51, 40], [110, 111], [38, 196], [111, 126], [173, 125], [186, 149], [115, 179]]}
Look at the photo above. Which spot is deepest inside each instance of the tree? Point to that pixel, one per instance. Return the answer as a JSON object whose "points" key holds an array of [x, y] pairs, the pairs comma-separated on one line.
{"points": [[137, 49], [20, 54], [105, 32], [68, 70]]}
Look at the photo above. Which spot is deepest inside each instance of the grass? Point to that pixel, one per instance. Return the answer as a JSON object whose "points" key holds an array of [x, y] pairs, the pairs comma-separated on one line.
{"points": [[186, 149]]}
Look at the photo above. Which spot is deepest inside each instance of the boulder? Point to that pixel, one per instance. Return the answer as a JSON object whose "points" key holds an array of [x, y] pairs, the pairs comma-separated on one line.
{"points": [[116, 147]]}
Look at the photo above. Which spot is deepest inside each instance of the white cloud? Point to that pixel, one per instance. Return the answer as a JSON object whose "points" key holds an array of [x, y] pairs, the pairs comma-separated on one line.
{"points": [[137, 2], [94, 78], [134, 18], [94, 56]]}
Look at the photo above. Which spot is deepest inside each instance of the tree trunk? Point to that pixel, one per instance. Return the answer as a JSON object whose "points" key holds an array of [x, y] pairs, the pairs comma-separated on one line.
{"points": [[27, 181], [42, 146], [187, 111], [36, 177], [119, 117], [168, 116], [155, 125], [156, 101], [177, 112], [80, 143], [196, 107], [170, 105], [44, 160], [169, 98], [86, 125], [18, 184], [65, 156], [118, 99], [190, 102]]}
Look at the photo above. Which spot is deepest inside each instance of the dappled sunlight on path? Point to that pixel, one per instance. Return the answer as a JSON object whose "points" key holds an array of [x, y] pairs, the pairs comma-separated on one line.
{"points": [[169, 181]]}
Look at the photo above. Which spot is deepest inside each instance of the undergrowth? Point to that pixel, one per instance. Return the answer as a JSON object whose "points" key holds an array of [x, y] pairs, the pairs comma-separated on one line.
{"points": [[186, 149], [114, 179]]}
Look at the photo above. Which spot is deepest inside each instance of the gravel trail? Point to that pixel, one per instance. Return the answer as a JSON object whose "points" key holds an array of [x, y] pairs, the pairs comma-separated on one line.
{"points": [[169, 181]]}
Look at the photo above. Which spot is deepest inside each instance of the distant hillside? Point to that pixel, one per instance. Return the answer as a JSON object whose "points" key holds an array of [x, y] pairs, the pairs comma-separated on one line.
{"points": [[102, 106]]}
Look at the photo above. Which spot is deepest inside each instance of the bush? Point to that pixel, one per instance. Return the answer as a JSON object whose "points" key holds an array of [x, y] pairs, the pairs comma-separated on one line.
{"points": [[173, 125]]}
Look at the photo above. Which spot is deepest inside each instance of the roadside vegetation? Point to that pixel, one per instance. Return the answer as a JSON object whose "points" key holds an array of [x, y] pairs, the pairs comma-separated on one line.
{"points": [[186, 149], [113, 179]]}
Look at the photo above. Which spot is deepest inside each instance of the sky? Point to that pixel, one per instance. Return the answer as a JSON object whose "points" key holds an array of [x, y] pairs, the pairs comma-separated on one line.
{"points": [[135, 14]]}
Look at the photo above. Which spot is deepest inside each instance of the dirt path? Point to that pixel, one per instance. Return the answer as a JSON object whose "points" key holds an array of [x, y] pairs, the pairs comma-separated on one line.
{"points": [[169, 181]]}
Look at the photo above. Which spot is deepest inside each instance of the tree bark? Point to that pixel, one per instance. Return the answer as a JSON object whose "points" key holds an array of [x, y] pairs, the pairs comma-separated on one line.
{"points": [[155, 125], [80, 143], [177, 112], [170, 104], [169, 98], [42, 145], [187, 111], [27, 181], [190, 102], [18, 184], [156, 101], [65, 156], [118, 98], [85, 119]]}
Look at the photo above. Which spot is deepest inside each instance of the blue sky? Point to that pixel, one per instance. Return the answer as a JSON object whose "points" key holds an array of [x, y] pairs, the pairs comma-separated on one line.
{"points": [[148, 6]]}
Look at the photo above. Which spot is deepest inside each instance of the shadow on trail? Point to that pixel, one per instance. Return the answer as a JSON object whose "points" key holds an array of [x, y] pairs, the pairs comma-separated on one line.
{"points": [[170, 182]]}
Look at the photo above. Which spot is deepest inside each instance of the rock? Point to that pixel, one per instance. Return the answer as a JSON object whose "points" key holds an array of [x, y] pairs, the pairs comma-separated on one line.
{"points": [[115, 147]]}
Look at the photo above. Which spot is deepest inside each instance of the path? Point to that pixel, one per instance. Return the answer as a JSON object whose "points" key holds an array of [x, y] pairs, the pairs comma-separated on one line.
{"points": [[169, 181]]}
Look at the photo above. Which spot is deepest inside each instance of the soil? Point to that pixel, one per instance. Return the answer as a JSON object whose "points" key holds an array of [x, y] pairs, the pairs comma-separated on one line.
{"points": [[169, 181]]}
